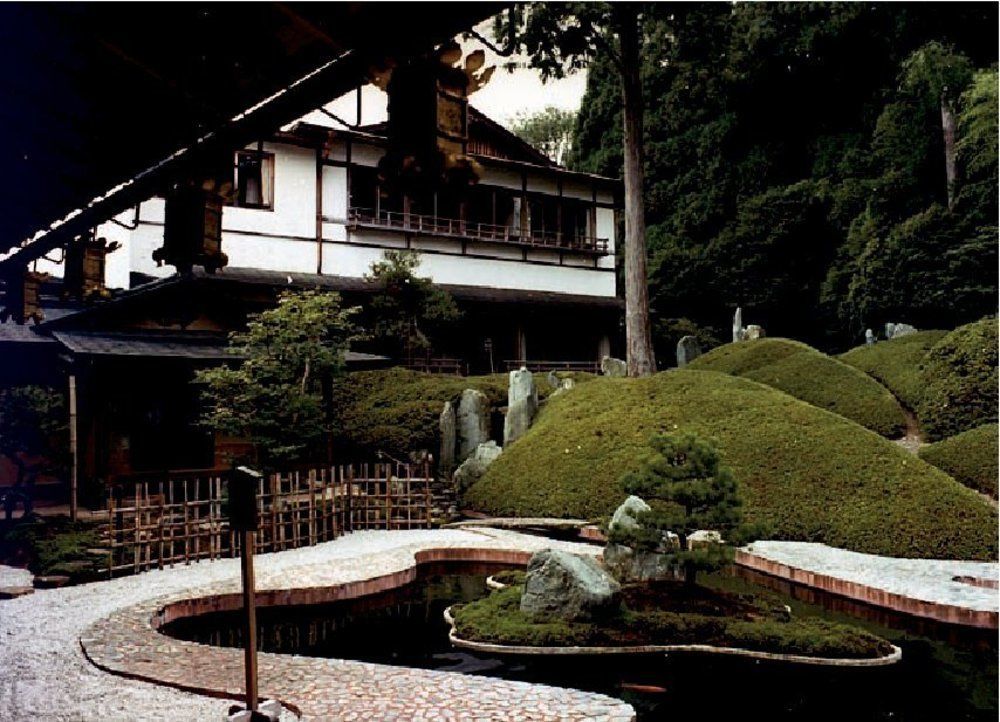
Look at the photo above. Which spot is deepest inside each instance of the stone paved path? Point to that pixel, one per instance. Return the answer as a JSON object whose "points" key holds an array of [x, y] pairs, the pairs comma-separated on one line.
{"points": [[44, 674], [930, 580]]}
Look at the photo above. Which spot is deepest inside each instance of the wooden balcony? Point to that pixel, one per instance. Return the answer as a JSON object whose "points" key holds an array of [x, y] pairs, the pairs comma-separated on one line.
{"points": [[466, 231]]}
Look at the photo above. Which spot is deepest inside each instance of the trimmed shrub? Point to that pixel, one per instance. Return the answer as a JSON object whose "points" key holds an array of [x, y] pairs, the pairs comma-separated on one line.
{"points": [[804, 474], [811, 376], [959, 376], [896, 363], [969, 457]]}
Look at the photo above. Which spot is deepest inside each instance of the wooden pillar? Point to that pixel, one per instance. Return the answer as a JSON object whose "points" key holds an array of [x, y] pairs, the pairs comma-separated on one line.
{"points": [[319, 210], [73, 450], [250, 618]]}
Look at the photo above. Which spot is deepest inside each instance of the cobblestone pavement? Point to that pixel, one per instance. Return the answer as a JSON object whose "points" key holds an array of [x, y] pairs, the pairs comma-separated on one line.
{"points": [[45, 676], [929, 580]]}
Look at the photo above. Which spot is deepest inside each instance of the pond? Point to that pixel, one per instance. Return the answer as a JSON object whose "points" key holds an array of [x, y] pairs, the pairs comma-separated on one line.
{"points": [[946, 674]]}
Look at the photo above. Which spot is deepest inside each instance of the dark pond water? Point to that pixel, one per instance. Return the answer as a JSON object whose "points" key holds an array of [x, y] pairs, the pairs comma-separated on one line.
{"points": [[946, 674]]}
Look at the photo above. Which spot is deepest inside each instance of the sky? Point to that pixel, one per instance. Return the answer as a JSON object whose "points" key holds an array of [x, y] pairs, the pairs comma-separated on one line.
{"points": [[503, 99]]}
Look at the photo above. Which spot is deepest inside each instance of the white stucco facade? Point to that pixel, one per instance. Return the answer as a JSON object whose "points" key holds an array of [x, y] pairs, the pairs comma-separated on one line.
{"points": [[292, 236]]}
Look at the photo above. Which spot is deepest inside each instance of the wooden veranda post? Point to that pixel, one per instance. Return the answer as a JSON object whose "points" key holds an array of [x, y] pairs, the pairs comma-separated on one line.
{"points": [[243, 518]]}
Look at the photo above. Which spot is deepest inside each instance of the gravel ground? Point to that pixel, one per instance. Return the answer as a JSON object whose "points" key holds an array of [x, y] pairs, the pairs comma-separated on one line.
{"points": [[14, 577], [931, 580], [44, 675]]}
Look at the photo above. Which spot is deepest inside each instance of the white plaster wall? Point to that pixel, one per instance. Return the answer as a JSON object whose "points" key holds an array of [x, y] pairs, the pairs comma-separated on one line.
{"points": [[606, 229], [294, 210]]}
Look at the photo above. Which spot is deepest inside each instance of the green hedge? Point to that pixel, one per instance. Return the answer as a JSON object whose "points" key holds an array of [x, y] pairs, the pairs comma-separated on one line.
{"points": [[397, 411], [806, 474], [969, 457], [814, 377], [896, 363], [959, 376]]}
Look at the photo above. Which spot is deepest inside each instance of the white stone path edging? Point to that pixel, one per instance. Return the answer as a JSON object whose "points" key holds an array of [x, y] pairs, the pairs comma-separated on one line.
{"points": [[45, 676], [520, 650]]}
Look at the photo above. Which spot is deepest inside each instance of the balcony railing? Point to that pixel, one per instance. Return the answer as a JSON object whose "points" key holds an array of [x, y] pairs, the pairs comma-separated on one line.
{"points": [[593, 367], [430, 225]]}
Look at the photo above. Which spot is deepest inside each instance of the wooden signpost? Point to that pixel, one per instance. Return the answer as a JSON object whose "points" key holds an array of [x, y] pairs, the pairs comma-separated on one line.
{"points": [[243, 519]]}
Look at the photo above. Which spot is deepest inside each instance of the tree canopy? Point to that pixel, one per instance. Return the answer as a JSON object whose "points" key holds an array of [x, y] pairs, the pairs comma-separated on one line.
{"points": [[795, 163]]}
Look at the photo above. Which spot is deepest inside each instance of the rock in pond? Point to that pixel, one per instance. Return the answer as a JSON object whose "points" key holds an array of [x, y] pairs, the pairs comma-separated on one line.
{"points": [[568, 586], [629, 565]]}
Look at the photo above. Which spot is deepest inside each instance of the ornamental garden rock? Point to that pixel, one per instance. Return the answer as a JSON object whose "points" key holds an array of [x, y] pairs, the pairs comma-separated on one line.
{"points": [[568, 586], [473, 422], [470, 470], [522, 405]]}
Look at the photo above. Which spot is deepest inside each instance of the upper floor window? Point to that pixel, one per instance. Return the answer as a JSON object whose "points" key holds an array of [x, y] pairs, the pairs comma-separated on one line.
{"points": [[254, 179]]}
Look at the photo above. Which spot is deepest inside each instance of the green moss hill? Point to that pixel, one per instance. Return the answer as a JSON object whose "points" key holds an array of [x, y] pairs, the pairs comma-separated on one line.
{"points": [[896, 363], [805, 473], [959, 375], [969, 457], [396, 410], [811, 376]]}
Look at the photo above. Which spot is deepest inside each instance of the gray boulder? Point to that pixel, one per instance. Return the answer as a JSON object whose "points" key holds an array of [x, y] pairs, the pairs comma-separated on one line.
{"points": [[629, 565], [895, 330], [688, 349], [869, 337], [470, 470], [446, 428], [522, 404], [613, 367], [626, 516], [703, 538], [753, 332], [564, 386], [567, 586], [473, 422]]}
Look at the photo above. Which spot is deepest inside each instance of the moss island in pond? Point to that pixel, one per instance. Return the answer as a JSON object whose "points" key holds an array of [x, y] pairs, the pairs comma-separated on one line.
{"points": [[696, 616]]}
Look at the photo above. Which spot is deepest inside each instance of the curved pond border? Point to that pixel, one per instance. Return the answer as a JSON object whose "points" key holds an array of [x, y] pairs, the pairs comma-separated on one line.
{"points": [[948, 613], [523, 650], [128, 643]]}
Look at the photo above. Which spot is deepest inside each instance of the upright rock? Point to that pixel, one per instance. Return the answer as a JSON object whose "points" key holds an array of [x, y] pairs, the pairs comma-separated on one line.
{"points": [[626, 516], [522, 404], [613, 367], [688, 349], [738, 325], [567, 586], [470, 470], [446, 428], [640, 565], [753, 332], [869, 337], [473, 422]]}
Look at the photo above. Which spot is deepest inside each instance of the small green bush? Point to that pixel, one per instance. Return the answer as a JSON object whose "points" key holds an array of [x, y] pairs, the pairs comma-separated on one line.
{"points": [[804, 474], [896, 363], [959, 376], [498, 619], [969, 457], [814, 377], [58, 546]]}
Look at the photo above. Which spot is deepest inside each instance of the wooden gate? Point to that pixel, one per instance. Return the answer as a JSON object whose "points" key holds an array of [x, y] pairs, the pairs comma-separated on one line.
{"points": [[161, 519]]}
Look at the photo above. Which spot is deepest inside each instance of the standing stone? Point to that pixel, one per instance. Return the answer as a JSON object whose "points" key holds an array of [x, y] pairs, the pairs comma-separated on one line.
{"points": [[470, 470], [895, 330], [688, 349], [473, 421], [753, 332], [522, 404], [447, 429], [613, 367], [738, 325], [568, 586], [626, 516], [869, 337], [553, 378]]}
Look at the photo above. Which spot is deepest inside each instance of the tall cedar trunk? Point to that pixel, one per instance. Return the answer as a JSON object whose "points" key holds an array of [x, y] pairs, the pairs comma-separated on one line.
{"points": [[639, 345], [948, 129]]}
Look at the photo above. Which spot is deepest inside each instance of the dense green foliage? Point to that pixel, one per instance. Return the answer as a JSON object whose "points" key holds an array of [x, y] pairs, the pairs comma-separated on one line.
{"points": [[498, 619], [396, 411], [34, 433], [807, 374], [896, 363], [406, 311], [804, 474], [277, 395], [970, 457], [56, 546], [959, 376], [795, 163], [687, 490], [549, 130]]}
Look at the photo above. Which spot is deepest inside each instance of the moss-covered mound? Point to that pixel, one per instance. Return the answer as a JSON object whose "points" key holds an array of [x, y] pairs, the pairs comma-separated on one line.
{"points": [[896, 363], [805, 473], [396, 411], [814, 377], [498, 619], [959, 377], [970, 457]]}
